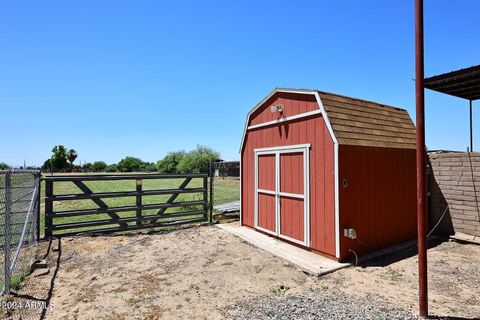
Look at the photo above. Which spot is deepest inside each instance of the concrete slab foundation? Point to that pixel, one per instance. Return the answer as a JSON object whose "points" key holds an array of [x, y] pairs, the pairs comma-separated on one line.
{"points": [[307, 261]]}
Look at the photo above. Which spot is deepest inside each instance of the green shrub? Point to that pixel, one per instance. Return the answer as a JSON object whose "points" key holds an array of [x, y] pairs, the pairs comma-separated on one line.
{"points": [[170, 162], [129, 164], [111, 168], [88, 166], [99, 165], [4, 166], [198, 160], [149, 167]]}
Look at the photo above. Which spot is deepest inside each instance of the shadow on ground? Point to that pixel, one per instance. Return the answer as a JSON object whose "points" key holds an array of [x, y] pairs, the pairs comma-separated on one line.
{"points": [[399, 255]]}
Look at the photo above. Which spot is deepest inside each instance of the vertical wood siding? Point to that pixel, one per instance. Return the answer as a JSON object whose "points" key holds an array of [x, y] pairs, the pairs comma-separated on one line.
{"points": [[301, 104], [291, 172], [378, 200], [266, 172], [266, 210], [292, 218], [266, 202], [307, 130]]}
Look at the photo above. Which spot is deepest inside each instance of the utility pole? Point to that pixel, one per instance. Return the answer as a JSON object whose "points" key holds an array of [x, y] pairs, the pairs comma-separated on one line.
{"points": [[421, 162]]}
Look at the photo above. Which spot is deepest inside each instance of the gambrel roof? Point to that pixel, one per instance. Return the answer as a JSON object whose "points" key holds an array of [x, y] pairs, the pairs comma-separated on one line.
{"points": [[358, 122], [365, 123]]}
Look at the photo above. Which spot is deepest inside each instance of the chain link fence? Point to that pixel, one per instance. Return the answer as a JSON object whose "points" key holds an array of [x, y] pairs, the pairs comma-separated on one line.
{"points": [[225, 189], [19, 212]]}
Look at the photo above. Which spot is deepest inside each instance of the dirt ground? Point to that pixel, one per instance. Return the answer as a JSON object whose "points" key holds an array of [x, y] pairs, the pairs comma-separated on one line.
{"points": [[207, 273]]}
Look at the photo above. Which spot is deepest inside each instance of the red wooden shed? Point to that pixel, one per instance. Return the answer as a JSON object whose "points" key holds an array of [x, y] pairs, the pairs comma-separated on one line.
{"points": [[330, 173]]}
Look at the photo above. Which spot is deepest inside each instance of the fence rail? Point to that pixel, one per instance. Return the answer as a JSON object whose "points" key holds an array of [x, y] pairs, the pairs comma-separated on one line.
{"points": [[183, 199]]}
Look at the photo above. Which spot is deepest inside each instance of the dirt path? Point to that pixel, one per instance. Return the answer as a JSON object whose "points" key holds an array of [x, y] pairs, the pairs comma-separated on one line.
{"points": [[206, 273]]}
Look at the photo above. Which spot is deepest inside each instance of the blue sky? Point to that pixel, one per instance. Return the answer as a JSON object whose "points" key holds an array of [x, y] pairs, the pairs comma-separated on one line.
{"points": [[118, 78]]}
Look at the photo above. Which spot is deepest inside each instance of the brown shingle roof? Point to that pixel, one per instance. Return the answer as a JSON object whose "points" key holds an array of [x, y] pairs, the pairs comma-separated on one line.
{"points": [[365, 123]]}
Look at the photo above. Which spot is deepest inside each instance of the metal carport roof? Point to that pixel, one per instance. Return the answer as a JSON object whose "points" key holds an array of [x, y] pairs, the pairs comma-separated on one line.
{"points": [[463, 83]]}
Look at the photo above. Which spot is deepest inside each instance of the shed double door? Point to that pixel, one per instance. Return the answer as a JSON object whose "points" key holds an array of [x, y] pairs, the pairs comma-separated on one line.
{"points": [[282, 192]]}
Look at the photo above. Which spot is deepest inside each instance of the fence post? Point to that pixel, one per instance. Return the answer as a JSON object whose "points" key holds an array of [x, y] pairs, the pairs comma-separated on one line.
{"points": [[7, 235], [39, 199], [138, 201], [211, 193], [48, 208], [205, 197]]}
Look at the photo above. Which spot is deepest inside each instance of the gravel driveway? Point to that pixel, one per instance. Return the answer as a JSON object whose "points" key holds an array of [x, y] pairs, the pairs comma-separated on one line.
{"points": [[207, 273]]}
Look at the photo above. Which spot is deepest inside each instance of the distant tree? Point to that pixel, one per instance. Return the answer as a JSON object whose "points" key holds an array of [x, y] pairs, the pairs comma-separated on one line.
{"points": [[111, 168], [72, 156], [47, 165], [87, 166], [99, 165], [170, 162], [59, 159], [149, 167], [197, 161], [4, 166], [129, 164]]}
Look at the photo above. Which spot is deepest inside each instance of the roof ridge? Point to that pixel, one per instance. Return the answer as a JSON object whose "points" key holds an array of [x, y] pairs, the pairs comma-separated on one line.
{"points": [[341, 95]]}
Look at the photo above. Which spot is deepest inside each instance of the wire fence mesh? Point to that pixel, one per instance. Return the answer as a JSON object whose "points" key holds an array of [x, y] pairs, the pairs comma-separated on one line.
{"points": [[225, 187], [19, 209]]}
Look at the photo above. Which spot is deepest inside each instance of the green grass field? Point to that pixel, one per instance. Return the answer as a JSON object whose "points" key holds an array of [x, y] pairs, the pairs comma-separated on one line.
{"points": [[225, 190]]}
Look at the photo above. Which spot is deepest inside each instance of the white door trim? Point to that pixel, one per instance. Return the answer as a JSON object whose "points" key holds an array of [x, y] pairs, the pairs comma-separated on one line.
{"points": [[283, 148], [266, 191], [292, 195], [277, 151]]}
